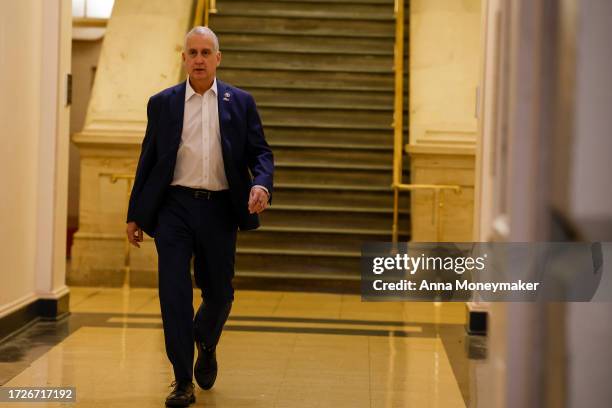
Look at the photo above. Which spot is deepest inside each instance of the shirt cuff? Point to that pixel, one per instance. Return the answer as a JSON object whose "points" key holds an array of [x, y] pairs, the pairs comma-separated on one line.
{"points": [[263, 188]]}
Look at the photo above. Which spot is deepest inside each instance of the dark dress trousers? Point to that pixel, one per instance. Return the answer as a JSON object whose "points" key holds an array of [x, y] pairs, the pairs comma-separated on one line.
{"points": [[185, 223]]}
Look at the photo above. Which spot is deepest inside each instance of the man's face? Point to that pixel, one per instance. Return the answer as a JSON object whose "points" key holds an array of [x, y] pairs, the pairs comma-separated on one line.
{"points": [[200, 59]]}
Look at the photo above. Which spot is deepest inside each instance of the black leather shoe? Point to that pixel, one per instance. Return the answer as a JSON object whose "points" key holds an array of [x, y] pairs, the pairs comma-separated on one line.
{"points": [[205, 370], [182, 394]]}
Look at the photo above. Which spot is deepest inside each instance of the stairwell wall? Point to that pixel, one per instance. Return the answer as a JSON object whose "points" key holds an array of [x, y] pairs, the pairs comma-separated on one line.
{"points": [[140, 56]]}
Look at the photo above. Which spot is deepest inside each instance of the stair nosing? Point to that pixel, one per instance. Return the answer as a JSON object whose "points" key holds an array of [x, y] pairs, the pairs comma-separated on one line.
{"points": [[329, 16], [384, 2], [386, 71], [343, 187], [319, 230], [344, 166], [306, 34], [320, 126], [318, 88], [324, 107], [309, 52], [297, 252], [324, 208], [294, 275], [337, 146]]}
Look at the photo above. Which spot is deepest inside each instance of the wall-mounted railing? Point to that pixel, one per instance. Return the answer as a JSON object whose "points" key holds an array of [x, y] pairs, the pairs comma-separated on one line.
{"points": [[398, 114], [438, 204], [398, 141]]}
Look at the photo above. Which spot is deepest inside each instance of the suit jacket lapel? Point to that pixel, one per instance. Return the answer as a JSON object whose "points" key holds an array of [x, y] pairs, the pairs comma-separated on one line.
{"points": [[177, 110], [224, 98]]}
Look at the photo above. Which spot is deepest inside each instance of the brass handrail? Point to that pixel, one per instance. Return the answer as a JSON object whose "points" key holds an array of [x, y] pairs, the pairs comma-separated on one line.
{"points": [[204, 8], [438, 204], [398, 104], [114, 177], [398, 148]]}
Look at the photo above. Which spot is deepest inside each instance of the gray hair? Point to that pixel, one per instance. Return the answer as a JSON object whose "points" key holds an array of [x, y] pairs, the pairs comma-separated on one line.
{"points": [[205, 31]]}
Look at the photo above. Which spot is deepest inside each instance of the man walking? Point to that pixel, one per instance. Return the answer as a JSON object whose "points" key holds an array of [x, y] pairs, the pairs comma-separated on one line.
{"points": [[204, 171]]}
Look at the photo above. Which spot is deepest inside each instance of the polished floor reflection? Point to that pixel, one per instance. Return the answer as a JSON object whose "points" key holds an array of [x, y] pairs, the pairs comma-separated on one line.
{"points": [[279, 349]]}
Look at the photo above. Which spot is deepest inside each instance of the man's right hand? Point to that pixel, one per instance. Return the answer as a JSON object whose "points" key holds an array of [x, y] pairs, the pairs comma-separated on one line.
{"points": [[134, 233]]}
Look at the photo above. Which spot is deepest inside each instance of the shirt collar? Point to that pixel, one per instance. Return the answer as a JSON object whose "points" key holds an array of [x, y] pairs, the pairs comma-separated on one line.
{"points": [[189, 92]]}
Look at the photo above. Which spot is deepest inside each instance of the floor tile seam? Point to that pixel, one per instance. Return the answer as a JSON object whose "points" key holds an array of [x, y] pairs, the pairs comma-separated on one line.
{"points": [[328, 330], [293, 319], [88, 297], [145, 303], [369, 375], [277, 329], [284, 325], [285, 368]]}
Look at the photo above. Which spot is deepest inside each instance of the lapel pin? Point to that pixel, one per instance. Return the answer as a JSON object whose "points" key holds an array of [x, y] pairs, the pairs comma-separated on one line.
{"points": [[226, 96]]}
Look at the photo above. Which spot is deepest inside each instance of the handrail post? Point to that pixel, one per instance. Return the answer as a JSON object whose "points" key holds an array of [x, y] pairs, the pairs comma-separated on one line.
{"points": [[204, 8]]}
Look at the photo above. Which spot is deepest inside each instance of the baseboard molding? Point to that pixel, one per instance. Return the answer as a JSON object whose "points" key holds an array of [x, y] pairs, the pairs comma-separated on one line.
{"points": [[40, 309]]}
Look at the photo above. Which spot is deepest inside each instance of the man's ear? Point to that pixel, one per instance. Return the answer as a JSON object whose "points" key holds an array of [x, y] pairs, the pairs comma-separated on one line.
{"points": [[218, 58]]}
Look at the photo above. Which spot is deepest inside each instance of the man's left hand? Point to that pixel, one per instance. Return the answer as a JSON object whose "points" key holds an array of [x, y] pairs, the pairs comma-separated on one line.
{"points": [[258, 200]]}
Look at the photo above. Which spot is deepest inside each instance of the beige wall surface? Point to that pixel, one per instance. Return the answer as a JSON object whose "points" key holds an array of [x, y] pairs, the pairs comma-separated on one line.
{"points": [[20, 118], [140, 56], [85, 55], [34, 137], [444, 74], [444, 67]]}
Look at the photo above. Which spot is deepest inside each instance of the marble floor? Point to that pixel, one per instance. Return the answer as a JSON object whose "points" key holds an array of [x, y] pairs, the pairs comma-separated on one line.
{"points": [[279, 349]]}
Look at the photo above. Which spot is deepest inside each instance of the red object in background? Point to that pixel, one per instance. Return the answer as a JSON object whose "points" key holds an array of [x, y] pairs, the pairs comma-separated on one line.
{"points": [[69, 239]]}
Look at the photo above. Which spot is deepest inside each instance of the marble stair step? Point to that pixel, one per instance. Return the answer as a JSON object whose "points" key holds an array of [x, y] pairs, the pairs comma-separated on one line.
{"points": [[355, 138], [341, 218], [296, 61], [306, 44], [250, 78], [329, 99], [304, 25], [313, 195], [357, 175], [311, 239], [306, 9], [336, 118], [321, 156]]}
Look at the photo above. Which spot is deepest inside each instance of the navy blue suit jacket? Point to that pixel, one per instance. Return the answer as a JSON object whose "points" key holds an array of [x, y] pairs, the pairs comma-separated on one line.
{"points": [[247, 158]]}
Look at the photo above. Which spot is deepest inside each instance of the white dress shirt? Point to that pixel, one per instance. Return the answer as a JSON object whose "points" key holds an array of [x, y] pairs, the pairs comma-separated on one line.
{"points": [[199, 161]]}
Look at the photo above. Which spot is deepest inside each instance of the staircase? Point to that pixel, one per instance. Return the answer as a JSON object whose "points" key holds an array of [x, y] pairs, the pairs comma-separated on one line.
{"points": [[321, 72]]}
